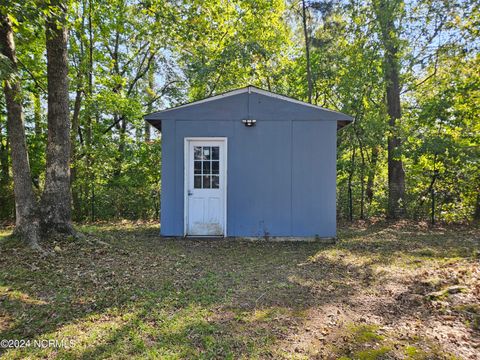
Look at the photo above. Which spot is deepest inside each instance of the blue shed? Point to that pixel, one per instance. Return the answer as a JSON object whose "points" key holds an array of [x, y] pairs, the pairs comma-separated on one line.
{"points": [[248, 163]]}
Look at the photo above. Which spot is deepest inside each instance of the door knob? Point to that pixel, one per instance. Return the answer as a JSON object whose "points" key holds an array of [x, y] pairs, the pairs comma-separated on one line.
{"points": [[190, 192]]}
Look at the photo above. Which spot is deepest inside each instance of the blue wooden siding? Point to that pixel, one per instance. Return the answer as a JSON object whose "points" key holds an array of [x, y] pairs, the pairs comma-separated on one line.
{"points": [[314, 178]]}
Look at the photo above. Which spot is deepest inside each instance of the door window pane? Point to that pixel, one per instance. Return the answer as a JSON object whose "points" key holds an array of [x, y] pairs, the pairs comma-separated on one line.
{"points": [[206, 168], [197, 182], [215, 153], [197, 151], [206, 153], [215, 167], [197, 167], [206, 182], [215, 182]]}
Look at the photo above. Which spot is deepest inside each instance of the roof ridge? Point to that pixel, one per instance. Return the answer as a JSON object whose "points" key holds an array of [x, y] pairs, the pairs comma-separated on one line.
{"points": [[249, 88]]}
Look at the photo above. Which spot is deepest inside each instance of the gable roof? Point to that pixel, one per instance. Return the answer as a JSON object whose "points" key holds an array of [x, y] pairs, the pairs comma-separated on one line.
{"points": [[155, 118]]}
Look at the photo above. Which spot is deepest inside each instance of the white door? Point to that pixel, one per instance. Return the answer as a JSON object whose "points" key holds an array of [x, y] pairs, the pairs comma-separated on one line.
{"points": [[205, 186]]}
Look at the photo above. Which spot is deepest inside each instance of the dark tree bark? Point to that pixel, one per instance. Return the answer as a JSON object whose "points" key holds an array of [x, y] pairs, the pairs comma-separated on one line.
{"points": [[56, 199], [350, 185], [371, 175], [90, 188], [396, 173], [73, 153], [37, 112], [4, 166], [362, 168], [362, 185], [37, 116], [5, 194], [151, 95], [148, 132], [76, 118], [476, 214], [26, 220], [307, 51]]}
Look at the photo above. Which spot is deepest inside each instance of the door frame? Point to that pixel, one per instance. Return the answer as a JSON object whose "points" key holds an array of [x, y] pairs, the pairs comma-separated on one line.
{"points": [[223, 172]]}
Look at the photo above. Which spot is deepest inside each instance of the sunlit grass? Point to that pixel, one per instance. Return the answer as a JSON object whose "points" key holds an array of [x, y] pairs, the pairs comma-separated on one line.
{"points": [[4, 234]]}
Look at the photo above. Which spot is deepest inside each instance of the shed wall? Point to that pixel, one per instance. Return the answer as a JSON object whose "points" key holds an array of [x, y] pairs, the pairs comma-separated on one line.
{"points": [[280, 180], [314, 178]]}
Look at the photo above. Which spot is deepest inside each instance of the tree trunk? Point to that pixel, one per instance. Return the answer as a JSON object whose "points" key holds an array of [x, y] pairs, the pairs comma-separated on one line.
{"points": [[307, 51], [56, 200], [362, 186], [371, 175], [37, 116], [396, 174], [121, 126], [73, 153], [4, 166], [151, 96], [26, 220], [90, 188], [350, 191], [37, 112], [476, 214], [148, 132], [5, 194]]}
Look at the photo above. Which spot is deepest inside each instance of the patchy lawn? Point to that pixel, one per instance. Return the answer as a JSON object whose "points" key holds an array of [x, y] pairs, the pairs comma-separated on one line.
{"points": [[382, 292]]}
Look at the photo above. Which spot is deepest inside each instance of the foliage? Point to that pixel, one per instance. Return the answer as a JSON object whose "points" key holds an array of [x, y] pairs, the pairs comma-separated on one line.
{"points": [[229, 44], [131, 57]]}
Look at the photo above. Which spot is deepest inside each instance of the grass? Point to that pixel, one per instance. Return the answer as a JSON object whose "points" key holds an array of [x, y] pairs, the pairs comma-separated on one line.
{"points": [[123, 292]]}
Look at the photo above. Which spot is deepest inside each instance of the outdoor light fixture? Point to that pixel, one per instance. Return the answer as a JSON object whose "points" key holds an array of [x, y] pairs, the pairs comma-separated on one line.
{"points": [[249, 122]]}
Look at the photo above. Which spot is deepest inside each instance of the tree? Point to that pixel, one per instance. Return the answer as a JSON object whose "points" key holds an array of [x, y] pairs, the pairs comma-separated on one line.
{"points": [[406, 70], [444, 136], [223, 45], [387, 13], [307, 51], [56, 198], [114, 47], [26, 220], [476, 214], [6, 198]]}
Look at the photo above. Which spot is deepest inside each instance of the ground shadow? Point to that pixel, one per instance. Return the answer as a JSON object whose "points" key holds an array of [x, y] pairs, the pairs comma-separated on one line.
{"points": [[181, 296]]}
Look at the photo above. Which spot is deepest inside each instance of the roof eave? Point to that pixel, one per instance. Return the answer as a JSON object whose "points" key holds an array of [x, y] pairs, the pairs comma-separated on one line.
{"points": [[342, 123], [156, 123], [248, 89], [155, 120]]}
